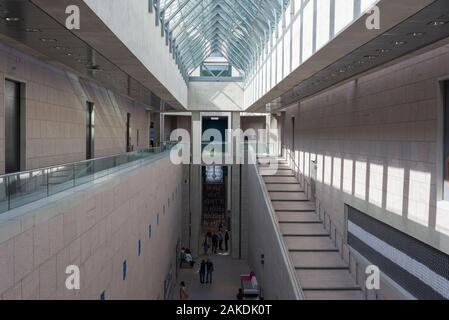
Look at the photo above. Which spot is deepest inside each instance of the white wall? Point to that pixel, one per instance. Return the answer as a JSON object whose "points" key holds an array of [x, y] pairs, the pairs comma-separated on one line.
{"points": [[215, 96], [135, 26]]}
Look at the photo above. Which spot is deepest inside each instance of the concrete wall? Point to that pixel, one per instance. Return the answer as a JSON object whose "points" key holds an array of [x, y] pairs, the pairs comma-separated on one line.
{"points": [[215, 96], [135, 26], [55, 111], [96, 227], [255, 123], [277, 279], [378, 143]]}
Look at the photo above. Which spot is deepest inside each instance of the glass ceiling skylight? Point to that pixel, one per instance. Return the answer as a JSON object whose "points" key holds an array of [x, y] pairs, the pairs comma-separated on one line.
{"points": [[238, 29]]}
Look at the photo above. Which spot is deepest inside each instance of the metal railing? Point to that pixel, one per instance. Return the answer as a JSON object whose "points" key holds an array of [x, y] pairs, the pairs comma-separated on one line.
{"points": [[355, 266], [21, 188]]}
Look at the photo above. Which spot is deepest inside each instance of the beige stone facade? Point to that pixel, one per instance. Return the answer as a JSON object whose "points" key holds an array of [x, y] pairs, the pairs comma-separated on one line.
{"points": [[96, 227], [55, 112], [376, 143]]}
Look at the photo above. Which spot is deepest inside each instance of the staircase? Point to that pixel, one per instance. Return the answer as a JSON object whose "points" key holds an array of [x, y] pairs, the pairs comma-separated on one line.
{"points": [[321, 271]]}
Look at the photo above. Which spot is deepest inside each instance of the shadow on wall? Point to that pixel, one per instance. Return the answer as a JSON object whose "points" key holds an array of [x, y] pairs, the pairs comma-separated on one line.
{"points": [[400, 192]]}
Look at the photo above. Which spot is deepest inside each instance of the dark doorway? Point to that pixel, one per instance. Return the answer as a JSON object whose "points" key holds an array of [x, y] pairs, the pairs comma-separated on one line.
{"points": [[128, 133], [90, 130], [12, 126]]}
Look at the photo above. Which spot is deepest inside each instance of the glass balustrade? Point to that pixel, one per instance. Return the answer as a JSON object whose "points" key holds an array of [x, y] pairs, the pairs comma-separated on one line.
{"points": [[21, 188]]}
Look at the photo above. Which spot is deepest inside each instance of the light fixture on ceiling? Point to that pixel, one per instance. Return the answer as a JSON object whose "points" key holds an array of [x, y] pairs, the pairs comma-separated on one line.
{"points": [[416, 34], [215, 118], [32, 30], [437, 23], [94, 68], [12, 19], [399, 43], [48, 40]]}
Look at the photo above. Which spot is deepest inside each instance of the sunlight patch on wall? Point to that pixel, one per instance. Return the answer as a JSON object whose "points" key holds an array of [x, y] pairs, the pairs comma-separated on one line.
{"points": [[348, 166], [376, 180], [307, 164], [395, 190], [296, 165], [328, 170], [419, 197], [319, 168], [360, 180], [443, 217], [337, 173]]}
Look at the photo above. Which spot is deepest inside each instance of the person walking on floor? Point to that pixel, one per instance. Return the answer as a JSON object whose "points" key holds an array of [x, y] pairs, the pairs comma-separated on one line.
{"points": [[240, 294], [206, 247], [202, 271], [209, 271], [220, 240], [183, 293], [214, 242], [226, 239]]}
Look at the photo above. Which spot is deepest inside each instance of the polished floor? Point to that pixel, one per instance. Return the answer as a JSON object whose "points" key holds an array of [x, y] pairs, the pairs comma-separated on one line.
{"points": [[226, 279]]}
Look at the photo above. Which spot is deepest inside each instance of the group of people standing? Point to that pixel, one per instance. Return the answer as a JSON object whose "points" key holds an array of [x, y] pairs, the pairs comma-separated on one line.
{"points": [[206, 270], [215, 241]]}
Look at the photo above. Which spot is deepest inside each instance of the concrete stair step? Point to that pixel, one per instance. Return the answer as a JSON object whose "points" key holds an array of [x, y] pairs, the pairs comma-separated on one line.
{"points": [[297, 217], [275, 187], [276, 173], [309, 243], [303, 229], [293, 206], [334, 295], [317, 260], [288, 196], [331, 280], [280, 180]]}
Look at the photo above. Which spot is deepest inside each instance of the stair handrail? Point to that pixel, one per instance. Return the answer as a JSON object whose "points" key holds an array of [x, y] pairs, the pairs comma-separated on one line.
{"points": [[285, 252]]}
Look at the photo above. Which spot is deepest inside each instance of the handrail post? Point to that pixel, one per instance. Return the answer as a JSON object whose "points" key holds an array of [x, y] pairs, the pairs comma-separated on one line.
{"points": [[8, 194], [335, 236], [73, 175], [349, 261], [48, 183]]}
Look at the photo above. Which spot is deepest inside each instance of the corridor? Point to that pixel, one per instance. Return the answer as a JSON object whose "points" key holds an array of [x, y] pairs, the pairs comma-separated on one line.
{"points": [[226, 279]]}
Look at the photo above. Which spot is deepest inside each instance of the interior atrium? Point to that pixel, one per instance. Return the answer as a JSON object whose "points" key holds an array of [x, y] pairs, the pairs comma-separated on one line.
{"points": [[224, 150]]}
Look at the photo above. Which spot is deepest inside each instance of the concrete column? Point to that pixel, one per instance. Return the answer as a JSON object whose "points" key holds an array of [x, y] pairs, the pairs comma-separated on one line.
{"points": [[236, 219], [268, 134], [196, 186]]}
